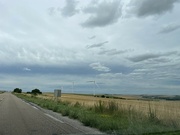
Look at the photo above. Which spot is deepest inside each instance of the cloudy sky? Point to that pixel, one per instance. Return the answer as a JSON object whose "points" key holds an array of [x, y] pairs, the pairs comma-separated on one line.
{"points": [[125, 46]]}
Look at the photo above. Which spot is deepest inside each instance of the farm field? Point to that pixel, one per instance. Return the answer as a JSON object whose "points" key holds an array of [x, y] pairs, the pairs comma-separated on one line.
{"points": [[126, 114], [164, 110]]}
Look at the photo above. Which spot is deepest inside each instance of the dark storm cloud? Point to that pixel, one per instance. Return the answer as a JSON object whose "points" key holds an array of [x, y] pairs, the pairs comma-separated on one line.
{"points": [[143, 8], [96, 45], [102, 14], [148, 56], [169, 28], [70, 8]]}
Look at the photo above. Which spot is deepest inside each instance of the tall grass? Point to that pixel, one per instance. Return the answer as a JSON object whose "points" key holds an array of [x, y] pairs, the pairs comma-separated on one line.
{"points": [[109, 117]]}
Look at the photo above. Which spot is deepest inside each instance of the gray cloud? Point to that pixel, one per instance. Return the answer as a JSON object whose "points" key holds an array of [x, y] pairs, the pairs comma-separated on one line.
{"points": [[149, 56], [92, 37], [143, 8], [99, 67], [96, 45], [70, 8], [112, 52], [102, 14], [52, 11], [169, 28], [110, 75]]}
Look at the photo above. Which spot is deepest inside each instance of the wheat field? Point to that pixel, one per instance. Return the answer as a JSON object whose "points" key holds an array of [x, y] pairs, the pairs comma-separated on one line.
{"points": [[168, 111]]}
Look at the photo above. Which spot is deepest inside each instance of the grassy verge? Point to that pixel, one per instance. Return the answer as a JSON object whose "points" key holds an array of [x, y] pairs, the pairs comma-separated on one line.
{"points": [[2, 92], [108, 117]]}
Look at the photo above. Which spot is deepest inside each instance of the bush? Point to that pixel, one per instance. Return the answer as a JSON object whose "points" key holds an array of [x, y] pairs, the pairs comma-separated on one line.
{"points": [[103, 96], [36, 91], [17, 90]]}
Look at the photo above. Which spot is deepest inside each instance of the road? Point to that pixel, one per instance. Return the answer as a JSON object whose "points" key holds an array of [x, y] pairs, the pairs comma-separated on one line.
{"points": [[20, 118]]}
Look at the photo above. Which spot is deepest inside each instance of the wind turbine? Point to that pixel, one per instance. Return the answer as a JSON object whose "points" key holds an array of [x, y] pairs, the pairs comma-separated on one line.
{"points": [[73, 87], [95, 85]]}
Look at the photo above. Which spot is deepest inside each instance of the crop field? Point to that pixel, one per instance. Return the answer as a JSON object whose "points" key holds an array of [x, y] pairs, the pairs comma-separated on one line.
{"points": [[168, 111], [120, 114]]}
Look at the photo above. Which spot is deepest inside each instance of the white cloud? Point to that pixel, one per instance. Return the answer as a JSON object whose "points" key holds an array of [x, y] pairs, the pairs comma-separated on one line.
{"points": [[110, 75], [169, 28], [99, 67], [26, 69]]}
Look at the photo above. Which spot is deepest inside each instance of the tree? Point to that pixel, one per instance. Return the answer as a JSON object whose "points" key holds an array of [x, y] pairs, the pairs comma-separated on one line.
{"points": [[17, 90], [36, 91]]}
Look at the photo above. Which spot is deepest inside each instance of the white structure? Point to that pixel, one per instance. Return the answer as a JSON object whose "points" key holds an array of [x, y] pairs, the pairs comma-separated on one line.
{"points": [[57, 93]]}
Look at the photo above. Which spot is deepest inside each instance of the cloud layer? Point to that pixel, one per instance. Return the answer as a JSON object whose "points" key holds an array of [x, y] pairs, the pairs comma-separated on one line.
{"points": [[125, 46]]}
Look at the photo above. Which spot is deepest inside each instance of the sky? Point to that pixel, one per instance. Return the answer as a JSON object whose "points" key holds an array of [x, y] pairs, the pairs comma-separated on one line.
{"points": [[90, 46]]}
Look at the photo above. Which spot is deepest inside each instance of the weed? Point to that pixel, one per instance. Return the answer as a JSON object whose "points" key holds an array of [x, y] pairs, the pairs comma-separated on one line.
{"points": [[77, 104], [100, 107], [112, 106], [152, 115]]}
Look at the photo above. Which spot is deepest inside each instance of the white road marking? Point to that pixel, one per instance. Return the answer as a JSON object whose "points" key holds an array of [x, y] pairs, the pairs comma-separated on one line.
{"points": [[35, 107], [53, 118], [27, 103]]}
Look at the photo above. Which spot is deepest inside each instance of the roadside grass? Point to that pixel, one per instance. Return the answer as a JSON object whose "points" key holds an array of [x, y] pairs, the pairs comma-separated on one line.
{"points": [[2, 92], [108, 117]]}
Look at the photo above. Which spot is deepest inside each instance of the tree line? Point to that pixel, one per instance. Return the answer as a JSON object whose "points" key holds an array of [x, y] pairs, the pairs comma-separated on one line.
{"points": [[34, 91]]}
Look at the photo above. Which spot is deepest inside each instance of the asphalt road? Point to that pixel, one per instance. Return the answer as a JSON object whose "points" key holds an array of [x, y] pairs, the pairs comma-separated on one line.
{"points": [[20, 118]]}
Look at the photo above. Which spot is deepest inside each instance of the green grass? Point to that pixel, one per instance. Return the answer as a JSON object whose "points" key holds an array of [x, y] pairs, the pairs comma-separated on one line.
{"points": [[2, 92], [108, 117]]}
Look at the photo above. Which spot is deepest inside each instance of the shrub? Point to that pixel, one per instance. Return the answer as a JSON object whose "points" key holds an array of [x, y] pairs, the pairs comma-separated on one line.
{"points": [[103, 96], [17, 90], [36, 91]]}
